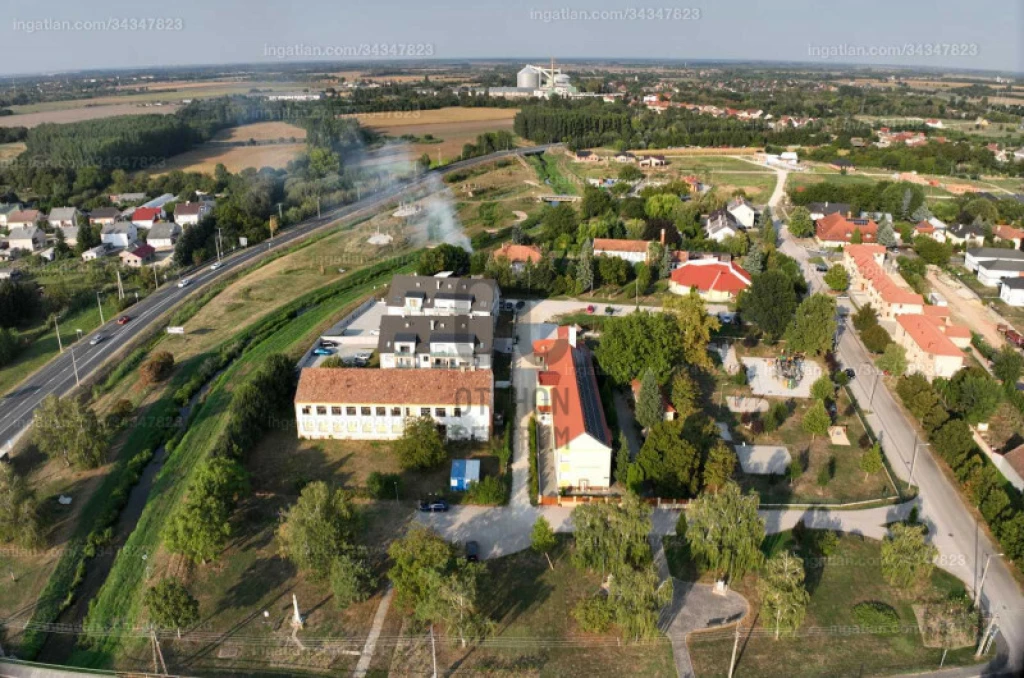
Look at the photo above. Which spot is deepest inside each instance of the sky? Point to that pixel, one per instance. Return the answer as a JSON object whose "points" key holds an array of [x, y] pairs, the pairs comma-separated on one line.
{"points": [[60, 35]]}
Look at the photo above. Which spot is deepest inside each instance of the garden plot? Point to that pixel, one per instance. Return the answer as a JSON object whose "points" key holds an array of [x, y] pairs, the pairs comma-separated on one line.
{"points": [[763, 460], [746, 404], [766, 380]]}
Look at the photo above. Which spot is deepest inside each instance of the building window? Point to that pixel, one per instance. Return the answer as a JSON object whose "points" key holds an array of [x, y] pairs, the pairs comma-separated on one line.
{"points": [[440, 411], [408, 411], [396, 411], [321, 409], [424, 411], [457, 412], [382, 411], [350, 411], [306, 409], [365, 411], [335, 410]]}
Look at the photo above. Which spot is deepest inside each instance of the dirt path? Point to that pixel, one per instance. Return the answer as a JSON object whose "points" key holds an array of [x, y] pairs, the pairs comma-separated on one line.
{"points": [[371, 640], [967, 311]]}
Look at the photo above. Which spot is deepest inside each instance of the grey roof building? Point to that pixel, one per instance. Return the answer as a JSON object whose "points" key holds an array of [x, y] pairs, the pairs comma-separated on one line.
{"points": [[446, 342], [425, 295]]}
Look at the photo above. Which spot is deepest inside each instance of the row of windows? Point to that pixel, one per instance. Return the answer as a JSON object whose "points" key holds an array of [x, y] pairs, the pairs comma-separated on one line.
{"points": [[365, 411]]}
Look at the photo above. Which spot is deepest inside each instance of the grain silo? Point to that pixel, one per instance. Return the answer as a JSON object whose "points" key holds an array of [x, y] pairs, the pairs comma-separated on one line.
{"points": [[529, 76]]}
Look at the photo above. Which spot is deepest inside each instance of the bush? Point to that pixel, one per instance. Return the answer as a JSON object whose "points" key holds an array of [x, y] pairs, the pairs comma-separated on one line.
{"points": [[877, 617], [775, 416], [740, 378], [157, 368], [826, 542], [534, 473], [384, 485], [594, 615], [875, 338], [490, 492], [351, 580]]}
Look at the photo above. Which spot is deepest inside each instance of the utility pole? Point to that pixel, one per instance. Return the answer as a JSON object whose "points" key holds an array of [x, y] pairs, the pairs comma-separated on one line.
{"points": [[983, 642], [913, 460], [56, 328], [120, 287], [735, 646], [220, 243], [156, 280], [100, 304], [984, 573], [318, 207], [74, 366], [433, 650]]}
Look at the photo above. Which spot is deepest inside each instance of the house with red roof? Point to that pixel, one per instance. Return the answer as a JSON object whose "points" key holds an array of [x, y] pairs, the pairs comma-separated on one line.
{"points": [[567, 400], [633, 251], [934, 348], [518, 255], [714, 280], [1009, 234], [145, 217], [835, 230], [866, 266]]}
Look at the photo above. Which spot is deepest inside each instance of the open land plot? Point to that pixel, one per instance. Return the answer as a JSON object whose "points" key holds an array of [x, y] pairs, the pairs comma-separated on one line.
{"points": [[261, 131], [236, 158], [454, 126], [82, 112], [513, 188], [836, 583], [11, 151]]}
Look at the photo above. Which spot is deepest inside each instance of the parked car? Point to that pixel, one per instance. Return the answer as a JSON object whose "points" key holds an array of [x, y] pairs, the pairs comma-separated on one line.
{"points": [[833, 411], [184, 282], [434, 505], [850, 372], [97, 339], [123, 320], [327, 343], [320, 350], [472, 551], [215, 266], [591, 309], [821, 268]]}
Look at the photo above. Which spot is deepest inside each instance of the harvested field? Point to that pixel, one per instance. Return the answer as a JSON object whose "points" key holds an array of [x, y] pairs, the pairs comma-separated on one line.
{"points": [[261, 131], [454, 126], [235, 158], [80, 113], [10, 151], [390, 119]]}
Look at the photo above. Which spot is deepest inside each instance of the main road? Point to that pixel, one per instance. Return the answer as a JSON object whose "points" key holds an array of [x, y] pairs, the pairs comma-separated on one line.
{"points": [[82, 359]]}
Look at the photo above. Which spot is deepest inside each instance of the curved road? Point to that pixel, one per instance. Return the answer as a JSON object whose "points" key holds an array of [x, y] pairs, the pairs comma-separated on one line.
{"points": [[58, 376]]}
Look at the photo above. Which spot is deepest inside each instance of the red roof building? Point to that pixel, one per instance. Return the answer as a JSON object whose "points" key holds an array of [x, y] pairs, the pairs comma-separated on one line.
{"points": [[714, 280], [836, 230], [518, 254], [146, 215]]}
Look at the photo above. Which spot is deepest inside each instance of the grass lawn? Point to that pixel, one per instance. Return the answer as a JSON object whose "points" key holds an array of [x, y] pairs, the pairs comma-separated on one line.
{"points": [[852, 575]]}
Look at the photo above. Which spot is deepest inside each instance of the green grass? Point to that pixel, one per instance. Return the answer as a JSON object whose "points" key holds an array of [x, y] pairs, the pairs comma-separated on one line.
{"points": [[120, 596], [836, 584], [550, 173]]}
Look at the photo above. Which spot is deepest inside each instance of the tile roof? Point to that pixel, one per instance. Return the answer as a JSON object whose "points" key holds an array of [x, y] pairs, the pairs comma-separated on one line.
{"points": [[21, 233], [576, 402], [24, 217], [864, 259], [620, 245], [392, 387], [164, 229], [827, 208], [710, 275], [191, 208], [1008, 232], [105, 213], [518, 253], [478, 330], [1015, 458], [996, 253], [927, 335], [835, 227], [146, 213], [63, 213], [482, 292], [142, 251]]}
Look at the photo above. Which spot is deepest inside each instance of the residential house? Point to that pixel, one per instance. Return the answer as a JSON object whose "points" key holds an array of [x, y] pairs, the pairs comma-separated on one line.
{"points": [[668, 410], [360, 404], [695, 184], [721, 225], [633, 251], [968, 235], [6, 209], [586, 156], [446, 342], [518, 255], [834, 230], [567, 400], [94, 253], [624, 157], [163, 235], [715, 281], [137, 256], [932, 227], [191, 213], [743, 211], [145, 217], [426, 295], [992, 264], [653, 161], [1011, 291], [931, 344], [63, 216], [101, 216], [119, 234], [1009, 234], [9, 273], [819, 210], [28, 238], [70, 235], [24, 219], [866, 267]]}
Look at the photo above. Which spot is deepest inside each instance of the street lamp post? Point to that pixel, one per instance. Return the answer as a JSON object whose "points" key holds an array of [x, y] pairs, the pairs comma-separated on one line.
{"points": [[984, 573], [913, 459], [74, 366], [100, 304]]}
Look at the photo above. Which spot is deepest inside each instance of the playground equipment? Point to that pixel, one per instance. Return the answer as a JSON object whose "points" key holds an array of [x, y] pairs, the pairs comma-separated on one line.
{"points": [[789, 369]]}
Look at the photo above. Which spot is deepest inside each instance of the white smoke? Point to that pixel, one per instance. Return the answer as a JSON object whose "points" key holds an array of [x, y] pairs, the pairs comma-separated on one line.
{"points": [[439, 222]]}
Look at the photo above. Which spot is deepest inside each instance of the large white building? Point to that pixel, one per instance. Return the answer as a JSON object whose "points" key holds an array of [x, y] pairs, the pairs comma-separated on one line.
{"points": [[993, 264], [360, 404], [453, 342], [412, 295]]}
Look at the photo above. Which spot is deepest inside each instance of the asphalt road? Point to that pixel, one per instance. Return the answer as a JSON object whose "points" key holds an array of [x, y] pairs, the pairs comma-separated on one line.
{"points": [[59, 375], [963, 546]]}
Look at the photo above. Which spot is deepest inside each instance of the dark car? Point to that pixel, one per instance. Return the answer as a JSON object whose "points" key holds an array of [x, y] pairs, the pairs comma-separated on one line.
{"points": [[520, 305], [472, 551], [434, 505], [850, 373], [821, 268], [833, 411]]}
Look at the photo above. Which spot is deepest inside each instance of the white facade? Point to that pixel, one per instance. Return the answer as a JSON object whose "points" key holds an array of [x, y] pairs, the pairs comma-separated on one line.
{"points": [[744, 213], [992, 273], [583, 463], [123, 234], [361, 421], [442, 355], [1012, 294]]}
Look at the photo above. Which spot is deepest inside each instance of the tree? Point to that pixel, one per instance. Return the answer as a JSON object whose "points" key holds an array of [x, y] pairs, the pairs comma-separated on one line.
{"points": [[816, 420], [823, 388], [351, 580], [754, 261], [420, 445], [585, 268], [612, 538], [932, 251], [596, 202], [661, 206], [559, 222], [670, 461], [170, 605], [649, 410], [837, 278], [630, 173], [695, 325], [906, 557], [444, 257], [783, 596], [612, 270], [875, 339], [19, 518], [886, 234], [67, 428], [317, 529], [871, 460], [800, 224], [542, 538], [1008, 365], [685, 395], [200, 527], [157, 368], [643, 277], [636, 598], [894, 360], [974, 394], [719, 466], [857, 237], [633, 343], [864, 318], [814, 326], [770, 302], [724, 531]]}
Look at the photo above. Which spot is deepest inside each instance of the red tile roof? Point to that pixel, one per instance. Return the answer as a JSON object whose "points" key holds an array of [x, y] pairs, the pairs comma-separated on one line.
{"points": [[837, 228], [570, 375], [926, 334], [146, 213], [924, 227], [142, 251], [1008, 232], [864, 259], [620, 245], [518, 253], [329, 385], [709, 275], [937, 311]]}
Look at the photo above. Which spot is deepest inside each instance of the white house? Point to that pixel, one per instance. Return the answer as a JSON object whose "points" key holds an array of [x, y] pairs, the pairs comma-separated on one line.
{"points": [[992, 264], [426, 295], [70, 235], [145, 217], [743, 211], [361, 404], [120, 234], [28, 238], [721, 225], [163, 235], [191, 213], [1012, 291], [95, 253], [63, 216], [24, 219], [446, 342], [633, 251], [715, 281], [931, 345], [7, 209]]}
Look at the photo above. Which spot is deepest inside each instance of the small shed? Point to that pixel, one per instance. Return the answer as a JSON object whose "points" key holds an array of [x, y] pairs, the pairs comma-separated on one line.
{"points": [[465, 472]]}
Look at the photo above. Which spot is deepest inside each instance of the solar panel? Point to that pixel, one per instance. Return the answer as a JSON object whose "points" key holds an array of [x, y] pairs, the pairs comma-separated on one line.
{"points": [[592, 418]]}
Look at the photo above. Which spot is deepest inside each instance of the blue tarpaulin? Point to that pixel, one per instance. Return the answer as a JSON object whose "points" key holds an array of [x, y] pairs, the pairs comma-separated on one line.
{"points": [[464, 472]]}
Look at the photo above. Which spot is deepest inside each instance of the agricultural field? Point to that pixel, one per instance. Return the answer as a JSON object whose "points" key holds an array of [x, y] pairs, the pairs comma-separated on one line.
{"points": [[206, 157], [836, 583], [81, 112], [261, 131], [455, 127], [11, 151]]}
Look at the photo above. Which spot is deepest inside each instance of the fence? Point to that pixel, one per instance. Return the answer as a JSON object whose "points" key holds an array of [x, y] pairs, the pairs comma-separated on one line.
{"points": [[577, 500]]}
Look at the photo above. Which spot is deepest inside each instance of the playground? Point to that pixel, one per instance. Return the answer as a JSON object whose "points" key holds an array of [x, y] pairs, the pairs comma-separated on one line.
{"points": [[785, 376], [762, 460]]}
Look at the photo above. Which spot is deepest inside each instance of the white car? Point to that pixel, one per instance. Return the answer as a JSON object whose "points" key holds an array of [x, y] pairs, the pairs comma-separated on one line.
{"points": [[97, 339], [215, 266], [184, 282]]}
